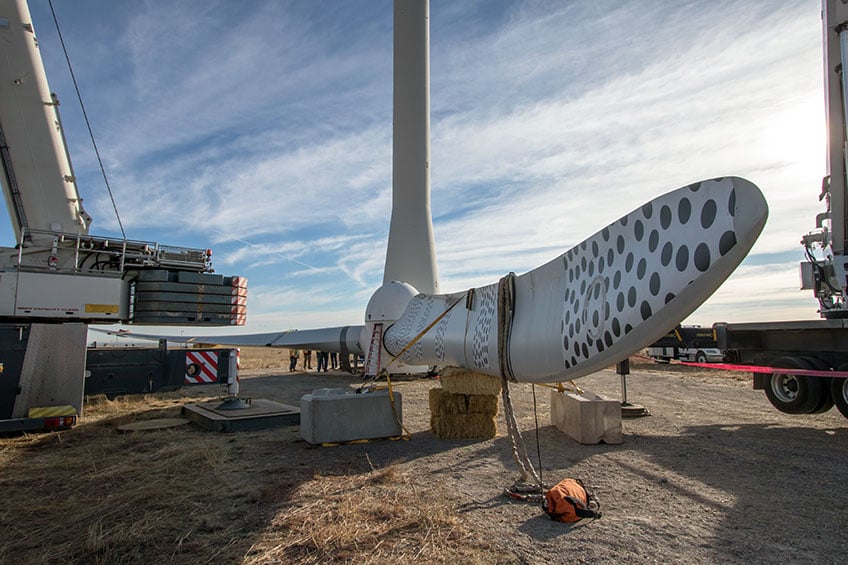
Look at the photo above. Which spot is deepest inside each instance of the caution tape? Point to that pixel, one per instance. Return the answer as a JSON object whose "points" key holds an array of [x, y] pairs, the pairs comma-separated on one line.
{"points": [[770, 370]]}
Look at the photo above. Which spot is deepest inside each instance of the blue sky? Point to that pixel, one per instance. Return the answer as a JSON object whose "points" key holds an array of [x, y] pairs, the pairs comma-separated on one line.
{"points": [[262, 129]]}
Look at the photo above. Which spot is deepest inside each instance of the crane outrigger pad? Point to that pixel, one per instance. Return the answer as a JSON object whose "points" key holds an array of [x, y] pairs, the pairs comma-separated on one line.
{"points": [[259, 414]]}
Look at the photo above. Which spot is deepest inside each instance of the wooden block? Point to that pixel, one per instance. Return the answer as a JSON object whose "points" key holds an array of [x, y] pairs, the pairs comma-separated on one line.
{"points": [[588, 418]]}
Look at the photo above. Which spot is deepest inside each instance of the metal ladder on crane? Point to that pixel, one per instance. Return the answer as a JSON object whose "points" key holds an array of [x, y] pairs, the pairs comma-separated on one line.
{"points": [[372, 360]]}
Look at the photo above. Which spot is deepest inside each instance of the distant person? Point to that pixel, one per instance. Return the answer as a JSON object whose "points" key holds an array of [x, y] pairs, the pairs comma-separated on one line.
{"points": [[307, 359], [334, 360], [323, 356], [293, 355]]}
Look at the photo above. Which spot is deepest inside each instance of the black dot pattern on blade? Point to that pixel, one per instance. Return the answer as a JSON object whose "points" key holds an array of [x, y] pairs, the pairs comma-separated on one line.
{"points": [[629, 272], [667, 253], [702, 257], [708, 213], [665, 217], [684, 210], [726, 243], [653, 240], [682, 258], [654, 284]]}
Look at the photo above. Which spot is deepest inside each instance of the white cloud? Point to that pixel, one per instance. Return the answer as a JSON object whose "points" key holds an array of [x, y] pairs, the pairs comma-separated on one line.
{"points": [[268, 131]]}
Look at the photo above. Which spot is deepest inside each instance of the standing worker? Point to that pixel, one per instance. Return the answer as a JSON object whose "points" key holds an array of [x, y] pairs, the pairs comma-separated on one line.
{"points": [[293, 355]]}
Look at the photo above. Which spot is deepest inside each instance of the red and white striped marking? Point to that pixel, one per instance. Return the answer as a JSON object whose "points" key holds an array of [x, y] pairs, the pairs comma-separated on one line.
{"points": [[238, 300], [201, 367]]}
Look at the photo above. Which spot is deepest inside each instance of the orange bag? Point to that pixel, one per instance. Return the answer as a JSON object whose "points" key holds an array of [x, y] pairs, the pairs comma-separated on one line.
{"points": [[569, 501]]}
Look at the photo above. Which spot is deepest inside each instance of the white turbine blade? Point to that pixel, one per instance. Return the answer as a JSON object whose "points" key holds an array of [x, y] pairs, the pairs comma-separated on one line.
{"points": [[607, 297], [343, 339]]}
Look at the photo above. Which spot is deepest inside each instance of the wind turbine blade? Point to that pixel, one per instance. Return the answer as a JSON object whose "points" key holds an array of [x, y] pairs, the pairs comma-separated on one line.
{"points": [[606, 298], [342, 339]]}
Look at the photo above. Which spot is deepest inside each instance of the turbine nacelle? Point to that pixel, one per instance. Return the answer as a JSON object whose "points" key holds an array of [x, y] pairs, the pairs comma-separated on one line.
{"points": [[386, 306]]}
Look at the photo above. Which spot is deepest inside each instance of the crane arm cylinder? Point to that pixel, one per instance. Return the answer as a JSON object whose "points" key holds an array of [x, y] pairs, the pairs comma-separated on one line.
{"points": [[37, 179]]}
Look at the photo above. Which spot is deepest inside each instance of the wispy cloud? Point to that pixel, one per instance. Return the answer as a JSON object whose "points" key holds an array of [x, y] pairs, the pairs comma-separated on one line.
{"points": [[267, 131]]}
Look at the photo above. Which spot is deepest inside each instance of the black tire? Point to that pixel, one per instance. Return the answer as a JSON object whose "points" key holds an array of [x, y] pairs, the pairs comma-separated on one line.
{"points": [[825, 402], [700, 357], [790, 393], [839, 392]]}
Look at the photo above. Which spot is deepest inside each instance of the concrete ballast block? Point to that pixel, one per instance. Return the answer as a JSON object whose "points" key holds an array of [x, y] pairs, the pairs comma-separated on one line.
{"points": [[587, 417], [334, 415]]}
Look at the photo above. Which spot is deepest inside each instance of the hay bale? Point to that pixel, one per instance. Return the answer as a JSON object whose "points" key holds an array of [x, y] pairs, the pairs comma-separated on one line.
{"points": [[463, 381], [443, 402], [486, 404], [463, 426]]}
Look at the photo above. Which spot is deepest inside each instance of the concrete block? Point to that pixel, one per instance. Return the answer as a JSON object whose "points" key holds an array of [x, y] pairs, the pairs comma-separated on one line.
{"points": [[333, 415], [587, 417]]}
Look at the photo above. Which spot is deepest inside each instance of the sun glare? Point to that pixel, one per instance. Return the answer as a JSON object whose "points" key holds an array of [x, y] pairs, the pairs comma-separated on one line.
{"points": [[796, 135]]}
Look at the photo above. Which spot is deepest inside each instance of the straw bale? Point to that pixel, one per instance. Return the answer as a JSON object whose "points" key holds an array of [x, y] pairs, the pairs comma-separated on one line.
{"points": [[463, 381], [463, 426], [486, 404], [443, 402]]}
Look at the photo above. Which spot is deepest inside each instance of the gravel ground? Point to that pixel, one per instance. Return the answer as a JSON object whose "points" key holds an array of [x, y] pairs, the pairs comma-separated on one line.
{"points": [[714, 475]]}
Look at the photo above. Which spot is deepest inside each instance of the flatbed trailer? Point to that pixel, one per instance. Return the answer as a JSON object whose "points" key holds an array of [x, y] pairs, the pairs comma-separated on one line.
{"points": [[116, 371], [809, 358]]}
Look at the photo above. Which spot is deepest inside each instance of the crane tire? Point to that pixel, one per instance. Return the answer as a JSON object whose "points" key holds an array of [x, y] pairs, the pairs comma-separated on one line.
{"points": [[791, 393], [825, 402], [839, 392]]}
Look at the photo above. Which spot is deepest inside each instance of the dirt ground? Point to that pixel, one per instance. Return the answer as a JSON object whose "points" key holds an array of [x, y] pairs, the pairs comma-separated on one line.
{"points": [[713, 475]]}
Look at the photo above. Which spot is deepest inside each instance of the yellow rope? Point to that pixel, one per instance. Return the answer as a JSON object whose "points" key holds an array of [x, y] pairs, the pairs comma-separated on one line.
{"points": [[406, 435]]}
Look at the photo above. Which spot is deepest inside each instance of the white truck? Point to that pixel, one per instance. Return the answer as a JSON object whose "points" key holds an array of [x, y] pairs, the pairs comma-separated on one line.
{"points": [[57, 278], [687, 343]]}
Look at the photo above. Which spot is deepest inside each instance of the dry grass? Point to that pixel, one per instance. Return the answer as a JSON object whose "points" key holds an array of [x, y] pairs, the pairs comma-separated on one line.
{"points": [[93, 495], [377, 517]]}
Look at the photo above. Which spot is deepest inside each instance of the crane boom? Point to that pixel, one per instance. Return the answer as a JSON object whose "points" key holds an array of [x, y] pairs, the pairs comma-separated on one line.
{"points": [[827, 276], [40, 189]]}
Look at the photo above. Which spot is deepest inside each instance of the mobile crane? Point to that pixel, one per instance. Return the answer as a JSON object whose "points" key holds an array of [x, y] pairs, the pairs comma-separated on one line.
{"points": [[807, 351], [58, 278]]}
